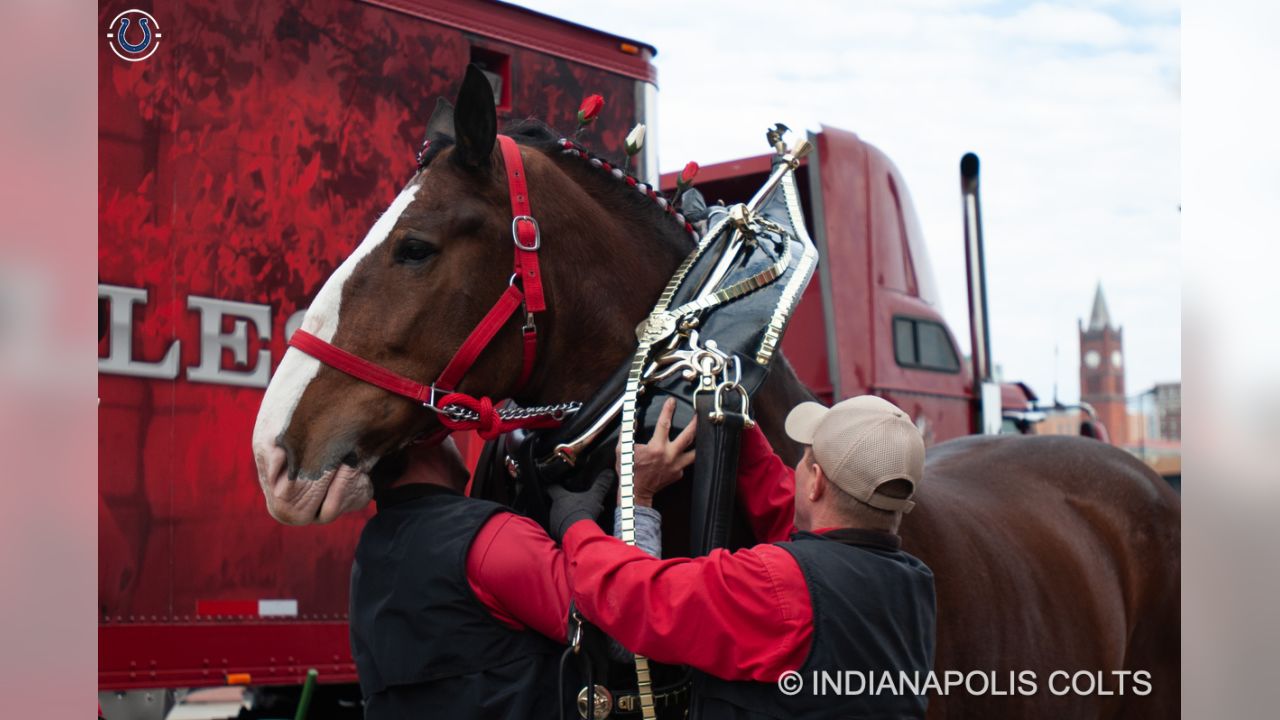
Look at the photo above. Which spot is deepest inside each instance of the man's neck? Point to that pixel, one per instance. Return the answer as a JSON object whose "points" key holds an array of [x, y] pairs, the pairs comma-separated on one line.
{"points": [[405, 492], [404, 481], [830, 521]]}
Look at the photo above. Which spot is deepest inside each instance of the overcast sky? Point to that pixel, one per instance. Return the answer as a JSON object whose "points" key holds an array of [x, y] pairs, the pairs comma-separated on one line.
{"points": [[1072, 106]]}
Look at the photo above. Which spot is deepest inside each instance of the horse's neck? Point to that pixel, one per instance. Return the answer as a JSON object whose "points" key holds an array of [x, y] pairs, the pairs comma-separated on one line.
{"points": [[623, 265]]}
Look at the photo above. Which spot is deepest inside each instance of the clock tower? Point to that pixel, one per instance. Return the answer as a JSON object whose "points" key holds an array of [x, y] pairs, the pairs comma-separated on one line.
{"points": [[1102, 369]]}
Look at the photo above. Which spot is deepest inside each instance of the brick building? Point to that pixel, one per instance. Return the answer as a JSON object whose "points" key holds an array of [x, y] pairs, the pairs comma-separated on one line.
{"points": [[1102, 369]]}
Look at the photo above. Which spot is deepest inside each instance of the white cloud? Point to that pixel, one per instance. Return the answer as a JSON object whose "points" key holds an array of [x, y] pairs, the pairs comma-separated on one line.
{"points": [[1073, 107]]}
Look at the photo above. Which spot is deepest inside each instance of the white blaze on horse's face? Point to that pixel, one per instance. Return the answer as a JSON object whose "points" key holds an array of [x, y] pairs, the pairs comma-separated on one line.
{"points": [[323, 498]]}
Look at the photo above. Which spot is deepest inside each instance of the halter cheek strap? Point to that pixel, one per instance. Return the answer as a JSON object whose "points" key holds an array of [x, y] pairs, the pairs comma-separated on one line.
{"points": [[459, 411]]}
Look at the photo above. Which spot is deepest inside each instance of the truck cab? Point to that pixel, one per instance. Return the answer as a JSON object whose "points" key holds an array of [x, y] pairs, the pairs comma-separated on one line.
{"points": [[870, 322]]}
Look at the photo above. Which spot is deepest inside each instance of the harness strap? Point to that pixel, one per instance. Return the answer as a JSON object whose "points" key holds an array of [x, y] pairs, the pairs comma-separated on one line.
{"points": [[530, 354], [357, 367], [480, 338], [524, 229], [715, 472]]}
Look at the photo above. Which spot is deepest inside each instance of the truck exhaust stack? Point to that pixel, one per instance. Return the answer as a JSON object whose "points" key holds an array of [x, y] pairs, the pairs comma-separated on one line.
{"points": [[987, 390]]}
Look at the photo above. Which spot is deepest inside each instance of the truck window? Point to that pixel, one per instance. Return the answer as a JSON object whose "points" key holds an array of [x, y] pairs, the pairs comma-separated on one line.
{"points": [[908, 262], [904, 342], [923, 345], [496, 67]]}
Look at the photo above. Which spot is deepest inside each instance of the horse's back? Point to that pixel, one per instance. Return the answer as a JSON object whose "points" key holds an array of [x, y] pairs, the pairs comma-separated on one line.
{"points": [[1050, 553]]}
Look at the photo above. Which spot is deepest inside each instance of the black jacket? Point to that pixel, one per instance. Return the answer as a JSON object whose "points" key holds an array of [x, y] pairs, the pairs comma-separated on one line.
{"points": [[424, 645], [873, 612]]}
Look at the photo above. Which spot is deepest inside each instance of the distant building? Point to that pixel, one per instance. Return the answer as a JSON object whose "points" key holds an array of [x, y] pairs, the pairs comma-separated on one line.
{"points": [[1064, 421], [1138, 427], [1168, 411], [1102, 369]]}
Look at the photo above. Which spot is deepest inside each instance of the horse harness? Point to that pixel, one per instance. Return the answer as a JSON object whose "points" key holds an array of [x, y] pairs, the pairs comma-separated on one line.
{"points": [[758, 250]]}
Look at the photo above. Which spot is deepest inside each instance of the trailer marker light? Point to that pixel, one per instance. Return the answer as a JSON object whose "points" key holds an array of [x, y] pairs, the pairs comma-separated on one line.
{"points": [[629, 49], [237, 678], [277, 608]]}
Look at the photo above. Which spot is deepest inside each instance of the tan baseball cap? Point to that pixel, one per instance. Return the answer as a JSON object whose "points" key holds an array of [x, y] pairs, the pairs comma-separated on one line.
{"points": [[860, 444]]}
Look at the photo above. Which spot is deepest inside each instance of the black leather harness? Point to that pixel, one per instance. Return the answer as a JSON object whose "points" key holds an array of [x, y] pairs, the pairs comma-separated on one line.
{"points": [[739, 334]]}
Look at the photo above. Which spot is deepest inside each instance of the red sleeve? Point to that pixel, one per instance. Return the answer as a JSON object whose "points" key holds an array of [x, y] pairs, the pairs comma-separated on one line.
{"points": [[767, 488], [518, 573], [740, 616]]}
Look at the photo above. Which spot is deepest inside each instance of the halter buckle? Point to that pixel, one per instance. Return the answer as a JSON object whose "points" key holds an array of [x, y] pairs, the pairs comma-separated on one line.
{"points": [[515, 233]]}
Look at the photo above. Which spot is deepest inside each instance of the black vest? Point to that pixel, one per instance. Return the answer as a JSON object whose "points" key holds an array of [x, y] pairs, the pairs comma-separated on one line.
{"points": [[424, 645], [873, 612]]}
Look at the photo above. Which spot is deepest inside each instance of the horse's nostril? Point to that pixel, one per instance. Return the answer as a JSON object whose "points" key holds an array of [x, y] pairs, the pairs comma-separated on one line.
{"points": [[351, 459]]}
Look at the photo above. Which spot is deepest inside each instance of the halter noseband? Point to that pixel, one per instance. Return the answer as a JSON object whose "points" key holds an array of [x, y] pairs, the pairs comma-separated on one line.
{"points": [[459, 411]]}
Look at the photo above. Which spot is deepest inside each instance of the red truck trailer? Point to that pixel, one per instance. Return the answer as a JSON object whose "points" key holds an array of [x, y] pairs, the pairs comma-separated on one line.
{"points": [[238, 165]]}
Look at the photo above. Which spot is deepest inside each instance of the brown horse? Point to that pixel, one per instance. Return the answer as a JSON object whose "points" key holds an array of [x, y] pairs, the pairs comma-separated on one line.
{"points": [[1051, 554]]}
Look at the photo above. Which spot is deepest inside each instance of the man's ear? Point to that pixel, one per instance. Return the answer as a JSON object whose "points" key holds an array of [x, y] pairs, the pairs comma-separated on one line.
{"points": [[475, 120], [819, 483]]}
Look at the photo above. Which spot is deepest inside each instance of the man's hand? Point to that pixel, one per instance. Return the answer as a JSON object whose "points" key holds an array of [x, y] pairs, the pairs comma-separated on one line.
{"points": [[662, 461], [569, 507]]}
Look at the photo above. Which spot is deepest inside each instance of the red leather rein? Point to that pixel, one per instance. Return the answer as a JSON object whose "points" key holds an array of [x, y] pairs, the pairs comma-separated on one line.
{"points": [[477, 414]]}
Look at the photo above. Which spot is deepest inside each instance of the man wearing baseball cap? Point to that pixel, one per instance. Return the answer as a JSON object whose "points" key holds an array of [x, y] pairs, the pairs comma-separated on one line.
{"points": [[838, 596]]}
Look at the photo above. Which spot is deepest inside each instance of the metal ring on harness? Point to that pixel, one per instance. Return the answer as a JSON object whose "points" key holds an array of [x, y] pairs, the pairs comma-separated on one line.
{"points": [[718, 414]]}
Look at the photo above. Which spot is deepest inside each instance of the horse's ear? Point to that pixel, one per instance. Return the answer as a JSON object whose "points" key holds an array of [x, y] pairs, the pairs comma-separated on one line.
{"points": [[475, 120], [441, 123]]}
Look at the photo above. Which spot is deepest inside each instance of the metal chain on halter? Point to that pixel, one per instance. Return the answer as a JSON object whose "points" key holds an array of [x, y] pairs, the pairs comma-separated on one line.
{"points": [[557, 411]]}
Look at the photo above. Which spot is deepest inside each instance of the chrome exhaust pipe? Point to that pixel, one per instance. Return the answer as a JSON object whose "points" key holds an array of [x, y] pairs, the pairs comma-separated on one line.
{"points": [[989, 405]]}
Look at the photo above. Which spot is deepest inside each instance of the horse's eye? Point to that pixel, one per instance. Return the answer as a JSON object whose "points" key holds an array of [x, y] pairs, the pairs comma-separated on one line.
{"points": [[413, 251]]}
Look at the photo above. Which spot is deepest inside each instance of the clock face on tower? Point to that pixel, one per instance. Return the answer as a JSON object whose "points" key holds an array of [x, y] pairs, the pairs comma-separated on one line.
{"points": [[1092, 359], [1116, 359]]}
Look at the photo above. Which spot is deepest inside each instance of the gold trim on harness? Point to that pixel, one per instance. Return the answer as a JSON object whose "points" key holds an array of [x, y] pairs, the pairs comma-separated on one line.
{"points": [[657, 328]]}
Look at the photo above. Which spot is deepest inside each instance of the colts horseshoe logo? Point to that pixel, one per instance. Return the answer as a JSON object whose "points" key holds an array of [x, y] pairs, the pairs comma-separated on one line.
{"points": [[133, 35]]}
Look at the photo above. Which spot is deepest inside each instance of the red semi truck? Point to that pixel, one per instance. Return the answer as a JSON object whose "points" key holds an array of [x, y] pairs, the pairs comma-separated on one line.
{"points": [[239, 165], [870, 321]]}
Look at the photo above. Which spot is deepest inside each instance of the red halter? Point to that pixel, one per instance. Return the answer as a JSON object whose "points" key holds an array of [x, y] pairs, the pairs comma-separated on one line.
{"points": [[441, 394]]}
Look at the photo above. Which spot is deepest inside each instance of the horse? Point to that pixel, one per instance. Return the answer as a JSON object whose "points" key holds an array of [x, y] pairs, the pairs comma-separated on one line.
{"points": [[1056, 558]]}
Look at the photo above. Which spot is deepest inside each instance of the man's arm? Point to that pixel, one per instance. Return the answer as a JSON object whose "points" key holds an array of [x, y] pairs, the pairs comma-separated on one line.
{"points": [[648, 529], [740, 616], [518, 573], [767, 488]]}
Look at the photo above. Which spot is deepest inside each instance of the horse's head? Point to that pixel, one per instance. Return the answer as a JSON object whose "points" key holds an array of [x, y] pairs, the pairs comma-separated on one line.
{"points": [[420, 281]]}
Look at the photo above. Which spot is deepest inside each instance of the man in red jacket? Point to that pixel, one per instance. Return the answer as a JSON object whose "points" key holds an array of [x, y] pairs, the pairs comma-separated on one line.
{"points": [[840, 596], [459, 607]]}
